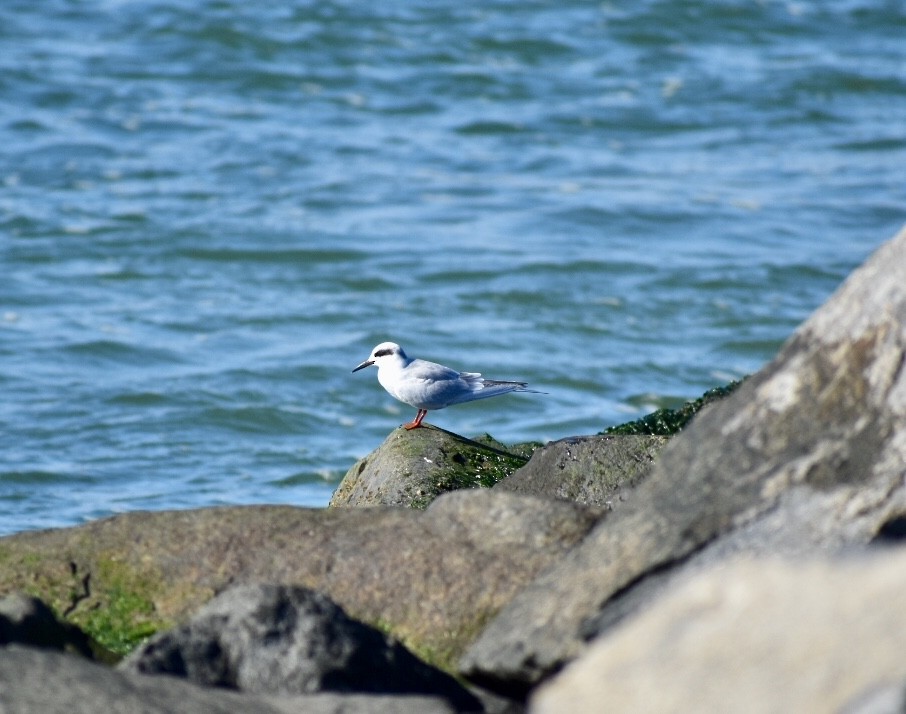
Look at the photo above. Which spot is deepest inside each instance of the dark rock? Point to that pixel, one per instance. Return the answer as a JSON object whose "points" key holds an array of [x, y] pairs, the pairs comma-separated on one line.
{"points": [[412, 468], [26, 620], [270, 639], [594, 470], [806, 455], [433, 578], [757, 635], [40, 681]]}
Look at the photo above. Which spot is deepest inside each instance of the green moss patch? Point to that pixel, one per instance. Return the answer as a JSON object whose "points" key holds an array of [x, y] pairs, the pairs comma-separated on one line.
{"points": [[666, 422], [479, 463], [104, 597], [121, 615]]}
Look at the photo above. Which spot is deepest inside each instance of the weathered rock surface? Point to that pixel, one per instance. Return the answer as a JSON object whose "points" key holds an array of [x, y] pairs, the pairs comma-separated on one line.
{"points": [[755, 636], [595, 470], [806, 455], [412, 468], [431, 577], [272, 639], [41, 681]]}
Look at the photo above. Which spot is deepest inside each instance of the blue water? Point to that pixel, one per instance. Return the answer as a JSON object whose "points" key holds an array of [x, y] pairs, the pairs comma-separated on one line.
{"points": [[211, 210]]}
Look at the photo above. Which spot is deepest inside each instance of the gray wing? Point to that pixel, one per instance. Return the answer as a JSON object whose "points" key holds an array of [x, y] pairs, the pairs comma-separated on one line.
{"points": [[433, 386], [480, 388]]}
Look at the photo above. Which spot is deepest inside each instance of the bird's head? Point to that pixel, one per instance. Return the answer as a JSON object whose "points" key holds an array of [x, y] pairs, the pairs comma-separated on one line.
{"points": [[382, 354]]}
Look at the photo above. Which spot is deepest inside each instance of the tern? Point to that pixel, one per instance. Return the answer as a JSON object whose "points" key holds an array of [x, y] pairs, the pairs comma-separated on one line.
{"points": [[427, 385]]}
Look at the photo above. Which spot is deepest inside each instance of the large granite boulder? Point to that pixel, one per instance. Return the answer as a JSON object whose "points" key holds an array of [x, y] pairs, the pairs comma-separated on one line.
{"points": [[272, 639], [753, 636], [598, 471], [36, 681], [806, 456], [412, 468], [433, 578]]}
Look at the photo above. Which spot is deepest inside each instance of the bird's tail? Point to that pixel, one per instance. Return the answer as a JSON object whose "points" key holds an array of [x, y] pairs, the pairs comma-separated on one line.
{"points": [[484, 388]]}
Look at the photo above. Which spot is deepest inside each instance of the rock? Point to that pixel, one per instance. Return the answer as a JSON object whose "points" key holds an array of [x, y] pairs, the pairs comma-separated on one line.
{"points": [[668, 422], [806, 455], [271, 639], [412, 468], [594, 470], [754, 636], [880, 698], [433, 578], [42, 681], [28, 621]]}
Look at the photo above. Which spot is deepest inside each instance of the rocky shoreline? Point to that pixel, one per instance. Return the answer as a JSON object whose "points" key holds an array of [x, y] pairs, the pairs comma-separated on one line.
{"points": [[751, 563]]}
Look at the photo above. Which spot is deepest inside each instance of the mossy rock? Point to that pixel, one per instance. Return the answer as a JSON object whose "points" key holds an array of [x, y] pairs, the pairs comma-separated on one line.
{"points": [[431, 578], [412, 468], [667, 422], [93, 583]]}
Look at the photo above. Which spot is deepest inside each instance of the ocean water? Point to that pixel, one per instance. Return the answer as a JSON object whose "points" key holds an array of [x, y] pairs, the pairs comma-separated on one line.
{"points": [[211, 210]]}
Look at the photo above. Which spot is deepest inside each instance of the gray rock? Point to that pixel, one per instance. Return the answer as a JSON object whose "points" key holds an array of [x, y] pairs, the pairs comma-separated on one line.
{"points": [[412, 468], [271, 639], [27, 620], [755, 636], [40, 681], [807, 454], [433, 578], [595, 470]]}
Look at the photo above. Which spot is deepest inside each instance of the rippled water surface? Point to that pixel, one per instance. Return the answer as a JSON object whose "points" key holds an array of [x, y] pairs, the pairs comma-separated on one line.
{"points": [[210, 211]]}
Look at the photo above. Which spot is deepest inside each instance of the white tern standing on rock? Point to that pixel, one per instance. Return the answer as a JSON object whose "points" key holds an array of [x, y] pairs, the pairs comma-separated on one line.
{"points": [[427, 385]]}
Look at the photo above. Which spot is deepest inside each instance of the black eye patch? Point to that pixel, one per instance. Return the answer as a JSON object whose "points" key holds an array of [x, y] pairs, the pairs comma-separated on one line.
{"points": [[383, 353]]}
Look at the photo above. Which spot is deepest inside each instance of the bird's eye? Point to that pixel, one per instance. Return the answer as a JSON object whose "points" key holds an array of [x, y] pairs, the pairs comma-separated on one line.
{"points": [[383, 353]]}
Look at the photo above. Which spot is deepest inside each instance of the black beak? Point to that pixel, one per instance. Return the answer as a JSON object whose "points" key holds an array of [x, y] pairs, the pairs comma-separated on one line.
{"points": [[366, 363]]}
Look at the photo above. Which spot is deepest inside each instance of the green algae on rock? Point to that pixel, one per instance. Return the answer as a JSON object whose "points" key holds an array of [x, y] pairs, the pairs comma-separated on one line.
{"points": [[431, 578], [110, 603], [667, 422], [412, 468]]}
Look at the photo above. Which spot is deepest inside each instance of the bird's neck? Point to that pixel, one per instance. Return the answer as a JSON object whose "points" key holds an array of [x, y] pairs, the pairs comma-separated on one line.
{"points": [[398, 363]]}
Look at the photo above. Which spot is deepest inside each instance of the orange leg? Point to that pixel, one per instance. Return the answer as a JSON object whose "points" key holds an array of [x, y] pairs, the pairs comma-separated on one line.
{"points": [[417, 422]]}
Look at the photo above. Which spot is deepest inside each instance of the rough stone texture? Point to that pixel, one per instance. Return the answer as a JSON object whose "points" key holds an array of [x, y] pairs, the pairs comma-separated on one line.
{"points": [[412, 468], [807, 454], [26, 620], [594, 470], [433, 578], [755, 636], [33, 681], [272, 639]]}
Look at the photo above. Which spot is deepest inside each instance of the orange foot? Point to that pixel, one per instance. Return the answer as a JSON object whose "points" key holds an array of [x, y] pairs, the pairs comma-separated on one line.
{"points": [[417, 422]]}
